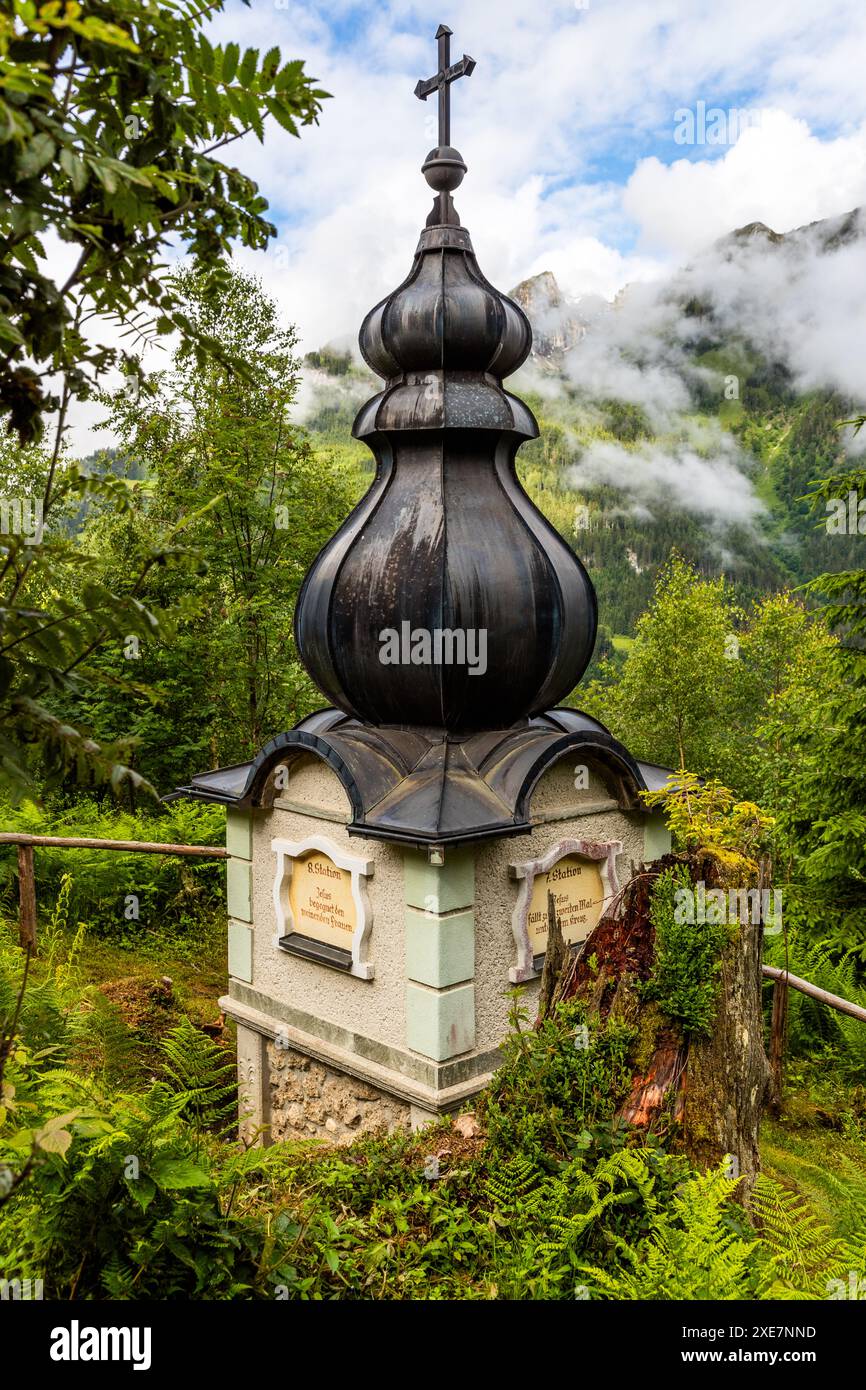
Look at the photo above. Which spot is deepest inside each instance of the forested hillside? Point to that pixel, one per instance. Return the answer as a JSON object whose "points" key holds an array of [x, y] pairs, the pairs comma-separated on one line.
{"points": [[691, 413]]}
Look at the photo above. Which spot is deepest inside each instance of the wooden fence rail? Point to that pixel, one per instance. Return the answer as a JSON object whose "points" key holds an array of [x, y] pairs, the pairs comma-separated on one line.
{"points": [[131, 846], [27, 874], [783, 980], [835, 1001]]}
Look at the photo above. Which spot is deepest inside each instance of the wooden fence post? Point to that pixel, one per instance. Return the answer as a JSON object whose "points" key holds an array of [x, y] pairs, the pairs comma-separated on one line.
{"points": [[26, 898]]}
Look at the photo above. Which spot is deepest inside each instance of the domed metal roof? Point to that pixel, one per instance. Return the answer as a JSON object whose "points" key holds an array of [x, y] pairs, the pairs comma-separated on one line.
{"points": [[445, 542], [446, 556], [433, 788]]}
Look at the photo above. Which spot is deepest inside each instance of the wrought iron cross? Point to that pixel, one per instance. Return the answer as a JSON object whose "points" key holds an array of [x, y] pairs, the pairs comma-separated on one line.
{"points": [[447, 74]]}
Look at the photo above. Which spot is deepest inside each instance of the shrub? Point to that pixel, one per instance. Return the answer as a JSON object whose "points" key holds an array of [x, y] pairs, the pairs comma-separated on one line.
{"points": [[685, 973]]}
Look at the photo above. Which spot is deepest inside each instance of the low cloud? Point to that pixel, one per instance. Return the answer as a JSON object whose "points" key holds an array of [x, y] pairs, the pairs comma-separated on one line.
{"points": [[799, 302], [712, 487], [319, 391]]}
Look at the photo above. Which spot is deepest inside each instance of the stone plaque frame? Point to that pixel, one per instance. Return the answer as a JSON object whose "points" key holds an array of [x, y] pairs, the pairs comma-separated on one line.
{"points": [[602, 852], [355, 961]]}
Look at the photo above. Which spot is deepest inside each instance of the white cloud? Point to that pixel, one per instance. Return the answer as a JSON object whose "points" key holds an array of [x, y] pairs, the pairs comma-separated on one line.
{"points": [[712, 487], [778, 172], [554, 88], [562, 104], [798, 303], [318, 389], [585, 266]]}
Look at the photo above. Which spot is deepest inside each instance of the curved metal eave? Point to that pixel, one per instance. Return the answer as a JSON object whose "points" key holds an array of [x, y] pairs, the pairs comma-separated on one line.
{"points": [[368, 423], [495, 781], [606, 749], [297, 741]]}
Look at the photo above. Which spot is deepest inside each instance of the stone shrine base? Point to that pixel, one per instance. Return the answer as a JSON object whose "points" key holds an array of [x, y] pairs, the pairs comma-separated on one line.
{"points": [[399, 1017], [308, 1100], [295, 1084]]}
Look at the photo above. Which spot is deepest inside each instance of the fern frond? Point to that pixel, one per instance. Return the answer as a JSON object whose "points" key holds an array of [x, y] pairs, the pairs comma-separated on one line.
{"points": [[200, 1071], [802, 1255], [693, 1250], [511, 1182]]}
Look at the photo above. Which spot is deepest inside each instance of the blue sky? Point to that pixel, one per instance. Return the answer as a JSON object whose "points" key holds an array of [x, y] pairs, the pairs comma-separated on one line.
{"points": [[568, 127]]}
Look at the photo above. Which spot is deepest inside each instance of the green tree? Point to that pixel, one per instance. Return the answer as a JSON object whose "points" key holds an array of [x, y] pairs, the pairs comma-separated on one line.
{"points": [[738, 690], [218, 449], [55, 611], [829, 823], [674, 699], [112, 125], [786, 675]]}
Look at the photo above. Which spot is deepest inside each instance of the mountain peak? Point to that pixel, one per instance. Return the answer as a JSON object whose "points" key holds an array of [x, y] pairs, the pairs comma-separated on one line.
{"points": [[537, 287], [827, 233], [556, 322], [754, 230]]}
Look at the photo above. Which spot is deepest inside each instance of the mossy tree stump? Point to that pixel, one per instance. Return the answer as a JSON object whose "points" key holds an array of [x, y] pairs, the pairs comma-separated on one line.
{"points": [[703, 1090]]}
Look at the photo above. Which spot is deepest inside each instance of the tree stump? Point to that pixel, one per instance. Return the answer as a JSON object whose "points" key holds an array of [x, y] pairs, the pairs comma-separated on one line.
{"points": [[555, 961], [705, 1093]]}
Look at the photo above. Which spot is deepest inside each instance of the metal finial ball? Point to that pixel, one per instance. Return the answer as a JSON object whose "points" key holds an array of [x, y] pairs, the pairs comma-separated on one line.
{"points": [[444, 169]]}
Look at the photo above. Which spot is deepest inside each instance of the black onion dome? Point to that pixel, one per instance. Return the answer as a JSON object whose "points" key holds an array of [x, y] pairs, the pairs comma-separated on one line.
{"points": [[446, 316], [443, 342], [446, 541]]}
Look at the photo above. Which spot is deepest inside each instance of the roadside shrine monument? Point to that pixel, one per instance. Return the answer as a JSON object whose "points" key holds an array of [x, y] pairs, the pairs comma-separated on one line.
{"points": [[392, 854]]}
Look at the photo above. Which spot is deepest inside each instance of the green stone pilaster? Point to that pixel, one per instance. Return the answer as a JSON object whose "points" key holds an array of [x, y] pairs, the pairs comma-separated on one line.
{"points": [[440, 954], [239, 893], [240, 951], [656, 838], [440, 1023], [239, 834], [440, 950]]}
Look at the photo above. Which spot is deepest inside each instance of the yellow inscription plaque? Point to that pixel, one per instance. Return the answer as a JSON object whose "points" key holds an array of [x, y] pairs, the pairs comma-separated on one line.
{"points": [[321, 902], [579, 892]]}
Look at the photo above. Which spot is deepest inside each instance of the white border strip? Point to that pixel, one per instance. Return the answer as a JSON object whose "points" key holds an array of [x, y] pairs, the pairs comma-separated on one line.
{"points": [[601, 851]]}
